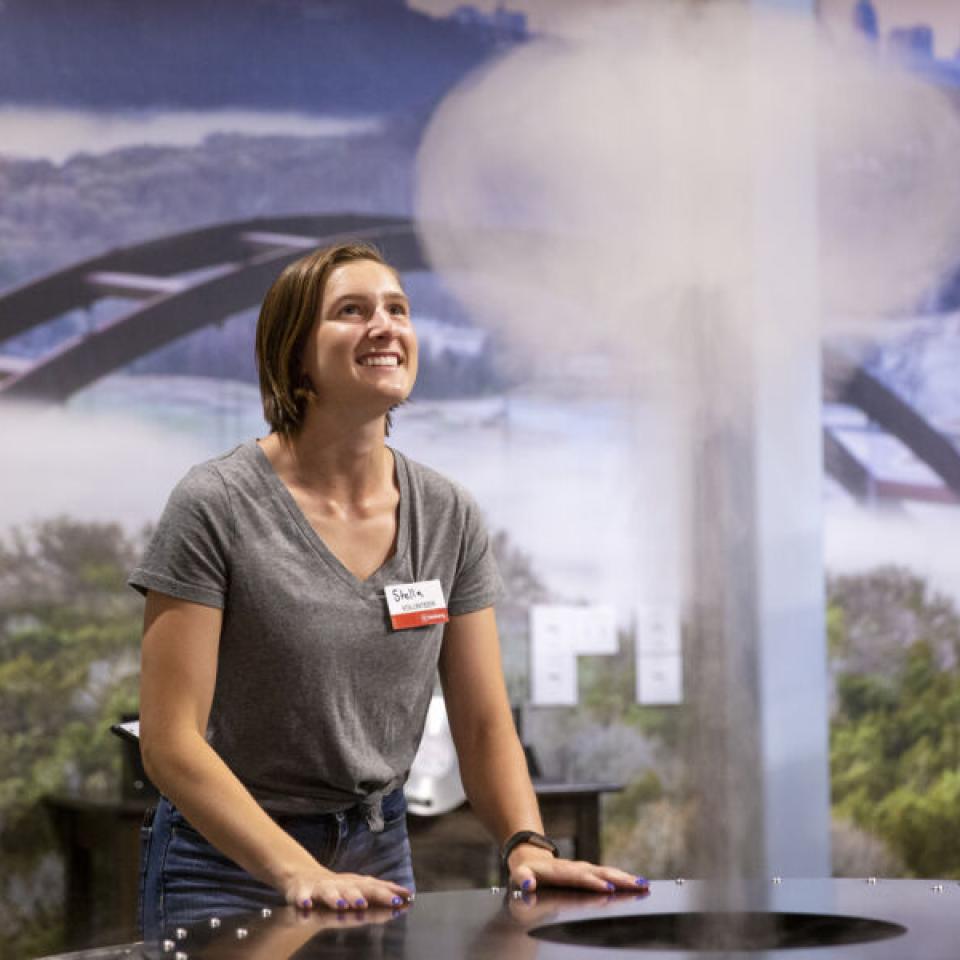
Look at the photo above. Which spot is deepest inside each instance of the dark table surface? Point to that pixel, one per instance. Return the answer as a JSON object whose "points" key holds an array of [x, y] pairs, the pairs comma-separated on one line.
{"points": [[495, 925]]}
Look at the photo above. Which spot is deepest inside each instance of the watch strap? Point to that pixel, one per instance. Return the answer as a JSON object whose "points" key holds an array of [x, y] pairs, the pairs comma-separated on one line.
{"points": [[527, 836]]}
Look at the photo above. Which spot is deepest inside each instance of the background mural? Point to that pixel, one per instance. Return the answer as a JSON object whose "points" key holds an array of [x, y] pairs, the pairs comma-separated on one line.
{"points": [[129, 130]]}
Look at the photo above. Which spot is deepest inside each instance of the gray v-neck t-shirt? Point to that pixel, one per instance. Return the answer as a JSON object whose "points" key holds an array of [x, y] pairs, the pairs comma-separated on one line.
{"points": [[319, 704]]}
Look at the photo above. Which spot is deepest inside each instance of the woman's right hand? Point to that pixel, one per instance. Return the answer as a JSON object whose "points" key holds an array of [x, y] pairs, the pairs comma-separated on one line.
{"points": [[320, 887]]}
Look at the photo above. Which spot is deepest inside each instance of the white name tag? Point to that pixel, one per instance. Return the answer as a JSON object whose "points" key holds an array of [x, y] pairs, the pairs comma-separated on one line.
{"points": [[416, 604]]}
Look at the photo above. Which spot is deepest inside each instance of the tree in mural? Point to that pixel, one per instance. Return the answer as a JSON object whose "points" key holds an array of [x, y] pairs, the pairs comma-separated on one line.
{"points": [[69, 637], [895, 743]]}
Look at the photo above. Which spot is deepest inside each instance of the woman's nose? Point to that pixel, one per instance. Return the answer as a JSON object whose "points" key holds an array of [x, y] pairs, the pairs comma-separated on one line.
{"points": [[381, 322]]}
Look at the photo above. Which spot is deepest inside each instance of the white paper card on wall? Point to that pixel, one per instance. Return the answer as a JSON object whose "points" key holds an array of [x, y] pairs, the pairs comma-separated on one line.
{"points": [[658, 630], [595, 629], [553, 663], [559, 633], [659, 679]]}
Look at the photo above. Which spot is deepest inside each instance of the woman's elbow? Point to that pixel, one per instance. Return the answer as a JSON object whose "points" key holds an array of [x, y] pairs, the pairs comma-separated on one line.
{"points": [[165, 755], [154, 757]]}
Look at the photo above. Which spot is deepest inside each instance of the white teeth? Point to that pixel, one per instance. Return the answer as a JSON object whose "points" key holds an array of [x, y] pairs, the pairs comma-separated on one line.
{"points": [[379, 361]]}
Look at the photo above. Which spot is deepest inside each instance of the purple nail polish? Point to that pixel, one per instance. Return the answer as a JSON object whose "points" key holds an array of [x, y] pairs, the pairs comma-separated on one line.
{"points": [[611, 886], [642, 882], [396, 901], [306, 904], [527, 884], [341, 904], [360, 903]]}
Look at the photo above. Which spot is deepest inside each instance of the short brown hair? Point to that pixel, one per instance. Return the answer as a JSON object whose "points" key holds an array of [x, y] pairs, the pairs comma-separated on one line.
{"points": [[287, 316]]}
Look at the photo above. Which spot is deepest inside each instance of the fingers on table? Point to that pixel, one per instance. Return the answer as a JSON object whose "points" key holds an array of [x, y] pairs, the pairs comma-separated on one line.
{"points": [[575, 873], [352, 892], [622, 880], [578, 873]]}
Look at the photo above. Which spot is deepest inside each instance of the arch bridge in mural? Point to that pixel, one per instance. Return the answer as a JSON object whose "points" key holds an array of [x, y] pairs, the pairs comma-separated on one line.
{"points": [[181, 283]]}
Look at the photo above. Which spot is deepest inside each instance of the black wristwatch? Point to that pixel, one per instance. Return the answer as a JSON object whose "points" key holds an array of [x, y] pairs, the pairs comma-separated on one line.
{"points": [[526, 836]]}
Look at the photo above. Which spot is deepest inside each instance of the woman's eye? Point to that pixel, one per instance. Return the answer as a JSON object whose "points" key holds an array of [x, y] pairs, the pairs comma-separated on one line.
{"points": [[350, 310], [398, 310]]}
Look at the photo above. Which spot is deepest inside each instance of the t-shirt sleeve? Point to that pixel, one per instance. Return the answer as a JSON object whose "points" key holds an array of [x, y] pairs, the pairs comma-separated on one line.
{"points": [[188, 556], [477, 583]]}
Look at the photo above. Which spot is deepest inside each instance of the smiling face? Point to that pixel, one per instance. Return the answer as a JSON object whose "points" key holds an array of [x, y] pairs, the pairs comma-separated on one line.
{"points": [[362, 350]]}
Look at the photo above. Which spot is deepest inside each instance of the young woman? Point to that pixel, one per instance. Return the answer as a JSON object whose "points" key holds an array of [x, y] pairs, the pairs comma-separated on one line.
{"points": [[284, 686]]}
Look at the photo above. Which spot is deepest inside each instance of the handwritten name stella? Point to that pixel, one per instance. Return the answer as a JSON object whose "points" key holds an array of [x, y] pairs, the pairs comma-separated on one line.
{"points": [[411, 593]]}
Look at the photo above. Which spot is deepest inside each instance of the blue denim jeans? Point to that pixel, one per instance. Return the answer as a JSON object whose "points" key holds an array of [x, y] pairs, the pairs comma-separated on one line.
{"points": [[183, 879]]}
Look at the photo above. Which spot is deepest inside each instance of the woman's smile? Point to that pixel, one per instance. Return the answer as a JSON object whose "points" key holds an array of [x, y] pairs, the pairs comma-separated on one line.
{"points": [[380, 360]]}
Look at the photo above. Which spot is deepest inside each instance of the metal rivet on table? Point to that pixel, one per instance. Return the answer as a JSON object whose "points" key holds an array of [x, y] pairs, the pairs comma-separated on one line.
{"points": [[777, 881], [214, 923], [495, 889], [872, 881], [167, 946], [242, 933], [266, 912], [180, 933]]}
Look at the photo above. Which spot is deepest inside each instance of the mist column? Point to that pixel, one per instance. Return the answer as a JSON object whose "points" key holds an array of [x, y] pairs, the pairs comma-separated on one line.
{"points": [[792, 672]]}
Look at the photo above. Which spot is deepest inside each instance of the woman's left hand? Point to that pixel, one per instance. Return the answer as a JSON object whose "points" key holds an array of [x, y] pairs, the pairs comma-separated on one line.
{"points": [[532, 867]]}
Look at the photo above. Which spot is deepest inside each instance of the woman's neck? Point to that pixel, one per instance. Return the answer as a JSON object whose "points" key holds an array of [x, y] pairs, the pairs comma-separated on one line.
{"points": [[340, 460]]}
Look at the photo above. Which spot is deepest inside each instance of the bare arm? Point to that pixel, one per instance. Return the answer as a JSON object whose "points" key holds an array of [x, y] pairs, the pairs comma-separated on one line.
{"points": [[178, 672], [492, 764]]}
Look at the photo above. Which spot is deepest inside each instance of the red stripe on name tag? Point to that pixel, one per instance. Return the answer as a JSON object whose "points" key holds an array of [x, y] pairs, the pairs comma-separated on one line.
{"points": [[419, 618]]}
